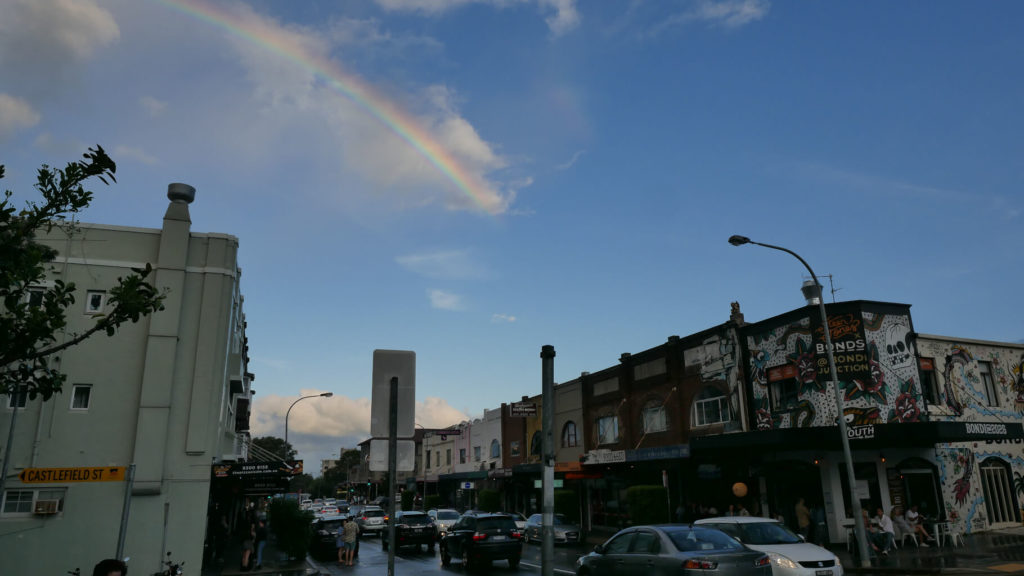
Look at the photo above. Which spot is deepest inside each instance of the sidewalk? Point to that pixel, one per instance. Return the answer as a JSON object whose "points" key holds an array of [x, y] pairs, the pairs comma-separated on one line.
{"points": [[997, 552], [275, 563]]}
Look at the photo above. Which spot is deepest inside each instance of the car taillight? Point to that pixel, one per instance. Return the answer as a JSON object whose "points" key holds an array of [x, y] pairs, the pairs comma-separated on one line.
{"points": [[763, 561], [478, 537], [517, 535], [700, 564]]}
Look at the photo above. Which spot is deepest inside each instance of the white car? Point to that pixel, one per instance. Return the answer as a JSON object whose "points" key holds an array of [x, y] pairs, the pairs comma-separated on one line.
{"points": [[789, 553], [444, 518]]}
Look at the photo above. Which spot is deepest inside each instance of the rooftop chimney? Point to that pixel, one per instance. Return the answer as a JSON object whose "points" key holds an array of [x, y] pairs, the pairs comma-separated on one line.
{"points": [[181, 193]]}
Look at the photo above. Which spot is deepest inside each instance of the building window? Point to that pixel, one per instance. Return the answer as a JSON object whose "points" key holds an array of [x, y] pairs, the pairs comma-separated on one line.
{"points": [[437, 459], [22, 399], [80, 396], [784, 394], [985, 371], [35, 297], [462, 455], [569, 435], [997, 485], [428, 459], [94, 301], [536, 444], [608, 430], [654, 416], [513, 448], [711, 407], [25, 502], [495, 449], [929, 381], [476, 453], [448, 457]]}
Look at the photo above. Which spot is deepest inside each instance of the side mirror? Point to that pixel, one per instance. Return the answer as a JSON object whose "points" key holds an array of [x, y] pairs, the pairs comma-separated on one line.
{"points": [[802, 539], [599, 549]]}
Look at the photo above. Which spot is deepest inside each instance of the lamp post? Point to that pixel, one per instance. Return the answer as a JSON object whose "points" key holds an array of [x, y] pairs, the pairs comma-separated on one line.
{"points": [[289, 413], [858, 524]]}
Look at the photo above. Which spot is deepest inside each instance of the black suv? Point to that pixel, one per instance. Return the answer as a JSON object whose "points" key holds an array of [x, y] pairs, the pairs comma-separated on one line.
{"points": [[482, 538], [325, 531], [412, 528]]}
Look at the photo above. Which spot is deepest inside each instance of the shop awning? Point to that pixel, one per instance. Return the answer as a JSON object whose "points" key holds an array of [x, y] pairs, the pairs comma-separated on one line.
{"points": [[472, 475]]}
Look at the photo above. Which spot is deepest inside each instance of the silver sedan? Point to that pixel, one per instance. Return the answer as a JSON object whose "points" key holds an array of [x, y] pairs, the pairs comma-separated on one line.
{"points": [[673, 549], [565, 531]]}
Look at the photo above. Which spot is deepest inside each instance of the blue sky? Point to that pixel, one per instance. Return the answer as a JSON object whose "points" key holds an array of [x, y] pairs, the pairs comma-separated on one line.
{"points": [[617, 145]]}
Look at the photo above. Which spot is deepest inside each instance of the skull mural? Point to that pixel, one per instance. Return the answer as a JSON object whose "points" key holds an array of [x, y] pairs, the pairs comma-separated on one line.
{"points": [[897, 346]]}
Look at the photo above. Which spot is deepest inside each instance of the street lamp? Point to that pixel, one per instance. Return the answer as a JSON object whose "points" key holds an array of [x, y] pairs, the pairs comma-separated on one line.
{"points": [[858, 524], [289, 412]]}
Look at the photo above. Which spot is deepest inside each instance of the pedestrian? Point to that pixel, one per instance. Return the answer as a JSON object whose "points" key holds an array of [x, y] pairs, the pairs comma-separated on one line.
{"points": [[110, 567], [803, 518], [731, 511], [742, 510], [248, 543], [261, 541], [351, 534]]}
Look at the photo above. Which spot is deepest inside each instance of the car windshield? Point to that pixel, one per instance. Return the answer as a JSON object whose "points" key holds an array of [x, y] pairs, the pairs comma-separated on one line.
{"points": [[758, 533], [447, 515], [331, 525], [495, 523], [561, 520], [702, 539], [415, 519], [373, 513]]}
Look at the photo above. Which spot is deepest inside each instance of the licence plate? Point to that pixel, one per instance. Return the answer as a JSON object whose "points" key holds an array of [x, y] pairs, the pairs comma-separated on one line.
{"points": [[822, 573], [500, 537], [417, 530]]}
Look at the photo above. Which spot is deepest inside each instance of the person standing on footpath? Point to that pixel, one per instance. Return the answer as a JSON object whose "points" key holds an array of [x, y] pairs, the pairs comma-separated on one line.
{"points": [[261, 541], [803, 518], [351, 533]]}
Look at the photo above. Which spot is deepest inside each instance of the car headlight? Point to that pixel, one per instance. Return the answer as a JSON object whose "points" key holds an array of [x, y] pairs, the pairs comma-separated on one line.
{"points": [[782, 562]]}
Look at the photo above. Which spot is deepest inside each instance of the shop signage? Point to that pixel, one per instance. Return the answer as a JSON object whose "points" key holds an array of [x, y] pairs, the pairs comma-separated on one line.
{"points": [[659, 453], [849, 347], [467, 485], [605, 457], [500, 473], [248, 470], [865, 432], [985, 428], [523, 409], [540, 483]]}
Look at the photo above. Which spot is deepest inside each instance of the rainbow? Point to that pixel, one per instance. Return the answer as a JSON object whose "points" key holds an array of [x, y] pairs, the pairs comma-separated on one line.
{"points": [[351, 87]]}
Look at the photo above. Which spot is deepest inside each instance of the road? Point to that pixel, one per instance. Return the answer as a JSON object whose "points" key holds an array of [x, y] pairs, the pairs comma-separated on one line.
{"points": [[373, 560]]}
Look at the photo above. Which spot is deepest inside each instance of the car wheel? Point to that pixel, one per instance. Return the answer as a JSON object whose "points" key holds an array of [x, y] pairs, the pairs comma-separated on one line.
{"points": [[445, 558], [513, 563]]}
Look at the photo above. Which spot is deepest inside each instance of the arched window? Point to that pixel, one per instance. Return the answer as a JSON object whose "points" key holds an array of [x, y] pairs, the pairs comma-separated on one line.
{"points": [[655, 419], [495, 449], [997, 484], [535, 444], [710, 407], [569, 435]]}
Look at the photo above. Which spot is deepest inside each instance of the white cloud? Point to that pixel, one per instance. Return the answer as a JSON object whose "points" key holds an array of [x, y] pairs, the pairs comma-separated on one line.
{"points": [[565, 17], [444, 300], [53, 33], [136, 154], [153, 106], [725, 13], [571, 161], [337, 416], [503, 318], [443, 264], [15, 115]]}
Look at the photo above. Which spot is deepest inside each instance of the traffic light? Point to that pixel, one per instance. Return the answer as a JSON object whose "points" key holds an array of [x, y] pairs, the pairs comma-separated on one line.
{"points": [[369, 483]]}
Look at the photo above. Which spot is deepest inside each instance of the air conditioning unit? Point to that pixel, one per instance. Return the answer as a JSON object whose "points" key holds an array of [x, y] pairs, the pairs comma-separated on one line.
{"points": [[47, 506]]}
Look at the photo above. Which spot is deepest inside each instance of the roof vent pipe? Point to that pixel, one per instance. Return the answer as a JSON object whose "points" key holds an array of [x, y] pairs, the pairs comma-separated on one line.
{"points": [[181, 193]]}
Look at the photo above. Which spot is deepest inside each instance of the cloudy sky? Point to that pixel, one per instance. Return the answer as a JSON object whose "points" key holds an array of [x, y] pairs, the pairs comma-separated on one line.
{"points": [[473, 179]]}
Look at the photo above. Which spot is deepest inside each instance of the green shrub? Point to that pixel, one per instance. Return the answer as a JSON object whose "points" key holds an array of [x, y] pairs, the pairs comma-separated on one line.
{"points": [[292, 526], [567, 504], [489, 501], [431, 502], [648, 504], [408, 499]]}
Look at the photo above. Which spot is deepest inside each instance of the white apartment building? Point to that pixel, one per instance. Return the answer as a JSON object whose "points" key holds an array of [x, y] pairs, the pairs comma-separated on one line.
{"points": [[169, 394]]}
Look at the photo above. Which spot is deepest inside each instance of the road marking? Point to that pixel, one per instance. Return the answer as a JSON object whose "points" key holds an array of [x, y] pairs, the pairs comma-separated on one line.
{"points": [[557, 570]]}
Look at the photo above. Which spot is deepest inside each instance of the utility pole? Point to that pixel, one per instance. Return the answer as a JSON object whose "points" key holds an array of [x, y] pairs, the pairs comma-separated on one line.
{"points": [[547, 354]]}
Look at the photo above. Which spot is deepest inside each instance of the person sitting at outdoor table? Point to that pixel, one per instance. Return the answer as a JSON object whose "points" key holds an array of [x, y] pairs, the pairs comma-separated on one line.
{"points": [[903, 527], [880, 541], [885, 527], [917, 523]]}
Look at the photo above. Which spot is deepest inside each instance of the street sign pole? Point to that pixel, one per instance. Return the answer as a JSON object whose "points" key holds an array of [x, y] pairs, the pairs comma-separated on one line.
{"points": [[124, 511], [392, 471], [547, 355]]}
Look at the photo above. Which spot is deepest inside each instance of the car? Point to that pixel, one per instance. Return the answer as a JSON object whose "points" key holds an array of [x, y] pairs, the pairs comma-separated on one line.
{"points": [[323, 545], [478, 540], [328, 510], [412, 528], [565, 531], [306, 504], [443, 519], [790, 554], [371, 521], [673, 549], [343, 506], [519, 519]]}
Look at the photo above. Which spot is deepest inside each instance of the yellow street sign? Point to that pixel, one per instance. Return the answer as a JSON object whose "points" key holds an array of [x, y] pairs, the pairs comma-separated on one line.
{"points": [[65, 475]]}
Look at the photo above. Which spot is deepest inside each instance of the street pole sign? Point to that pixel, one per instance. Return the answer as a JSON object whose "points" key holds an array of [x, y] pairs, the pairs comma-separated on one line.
{"points": [[66, 475], [388, 364]]}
